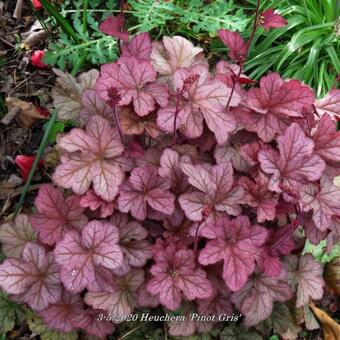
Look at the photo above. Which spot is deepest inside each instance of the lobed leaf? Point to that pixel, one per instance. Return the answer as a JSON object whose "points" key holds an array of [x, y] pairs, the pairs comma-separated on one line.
{"points": [[91, 156], [15, 235], [56, 215]]}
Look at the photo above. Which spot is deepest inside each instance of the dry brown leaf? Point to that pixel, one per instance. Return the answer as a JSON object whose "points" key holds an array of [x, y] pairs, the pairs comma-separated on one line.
{"points": [[51, 159], [291, 333], [6, 189], [331, 329], [18, 9], [67, 92], [311, 322], [11, 114], [332, 275], [28, 113], [5, 206], [34, 36]]}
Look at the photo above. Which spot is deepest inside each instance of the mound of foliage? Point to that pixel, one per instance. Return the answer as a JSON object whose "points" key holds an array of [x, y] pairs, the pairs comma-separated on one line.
{"points": [[186, 188]]}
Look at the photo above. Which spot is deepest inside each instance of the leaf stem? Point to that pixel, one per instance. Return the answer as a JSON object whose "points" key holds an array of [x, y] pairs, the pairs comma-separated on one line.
{"points": [[255, 24], [116, 117], [293, 227], [196, 239], [174, 136], [78, 64], [36, 162], [132, 331], [86, 3], [254, 27], [234, 85]]}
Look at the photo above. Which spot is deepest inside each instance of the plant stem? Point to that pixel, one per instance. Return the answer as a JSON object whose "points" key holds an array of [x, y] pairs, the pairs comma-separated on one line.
{"points": [[121, 6], [293, 227], [42, 22], [116, 117], [78, 64], [36, 162], [132, 331], [86, 3], [234, 85], [196, 240], [96, 11], [174, 136], [247, 53], [254, 28]]}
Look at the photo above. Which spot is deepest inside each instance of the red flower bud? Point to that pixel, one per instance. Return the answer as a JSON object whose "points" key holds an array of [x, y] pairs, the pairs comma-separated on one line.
{"points": [[36, 59], [36, 4], [44, 112], [24, 163]]}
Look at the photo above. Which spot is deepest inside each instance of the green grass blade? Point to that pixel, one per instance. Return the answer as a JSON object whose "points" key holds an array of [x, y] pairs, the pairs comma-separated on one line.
{"points": [[328, 9], [334, 57], [65, 25], [321, 79], [299, 40], [36, 162], [278, 33], [78, 64], [307, 11], [86, 4]]}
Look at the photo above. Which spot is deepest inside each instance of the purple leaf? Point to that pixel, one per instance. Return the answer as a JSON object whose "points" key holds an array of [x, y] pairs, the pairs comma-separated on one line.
{"points": [[145, 188], [175, 277], [216, 190], [56, 215], [122, 299], [34, 278], [94, 202], [235, 243], [93, 105], [329, 104], [305, 276], [274, 103], [324, 202], [132, 240], [113, 26], [257, 195], [272, 20], [295, 163], [14, 235], [255, 299], [91, 322], [235, 43], [327, 140], [62, 315], [91, 156], [173, 53], [207, 98], [85, 258], [139, 47], [135, 81]]}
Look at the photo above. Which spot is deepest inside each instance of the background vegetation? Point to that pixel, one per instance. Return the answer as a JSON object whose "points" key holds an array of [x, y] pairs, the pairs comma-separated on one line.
{"points": [[308, 48]]}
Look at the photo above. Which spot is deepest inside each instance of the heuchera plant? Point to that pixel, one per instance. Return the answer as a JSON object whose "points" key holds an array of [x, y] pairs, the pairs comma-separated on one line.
{"points": [[185, 185]]}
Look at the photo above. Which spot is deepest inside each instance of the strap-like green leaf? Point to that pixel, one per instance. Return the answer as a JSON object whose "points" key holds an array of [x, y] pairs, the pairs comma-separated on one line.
{"points": [[65, 25], [36, 161]]}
